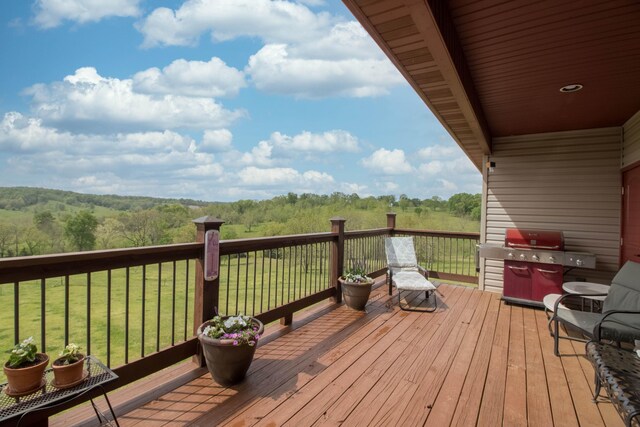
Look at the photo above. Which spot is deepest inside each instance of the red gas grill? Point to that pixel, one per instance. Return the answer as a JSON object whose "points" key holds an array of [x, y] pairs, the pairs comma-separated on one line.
{"points": [[528, 279], [534, 262]]}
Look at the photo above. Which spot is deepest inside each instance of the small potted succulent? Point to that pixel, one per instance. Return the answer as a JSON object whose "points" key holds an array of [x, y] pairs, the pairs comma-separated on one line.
{"points": [[228, 344], [68, 368], [25, 368], [356, 287]]}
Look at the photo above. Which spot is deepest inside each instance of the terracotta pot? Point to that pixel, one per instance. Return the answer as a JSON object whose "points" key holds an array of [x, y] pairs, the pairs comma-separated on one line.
{"points": [[29, 378], [68, 374], [227, 363], [356, 295]]}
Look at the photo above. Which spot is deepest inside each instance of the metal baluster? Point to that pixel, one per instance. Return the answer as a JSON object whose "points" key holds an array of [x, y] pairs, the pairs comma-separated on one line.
{"points": [[246, 282], [126, 317], [88, 314], [173, 305], [275, 298], [144, 307], [295, 272], [16, 312], [289, 280], [66, 310], [228, 283], [255, 272], [159, 305], [43, 342], [186, 298], [109, 318], [237, 284], [283, 273], [262, 284]]}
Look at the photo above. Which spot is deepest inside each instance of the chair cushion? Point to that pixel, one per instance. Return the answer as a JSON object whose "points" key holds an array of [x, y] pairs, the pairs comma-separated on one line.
{"points": [[411, 281], [586, 321], [624, 294], [400, 252]]}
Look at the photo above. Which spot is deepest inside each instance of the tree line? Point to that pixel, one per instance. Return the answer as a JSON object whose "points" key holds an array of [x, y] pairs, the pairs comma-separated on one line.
{"points": [[56, 222]]}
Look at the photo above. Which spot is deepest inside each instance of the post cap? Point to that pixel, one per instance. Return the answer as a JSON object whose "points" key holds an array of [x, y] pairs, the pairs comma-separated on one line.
{"points": [[208, 220]]}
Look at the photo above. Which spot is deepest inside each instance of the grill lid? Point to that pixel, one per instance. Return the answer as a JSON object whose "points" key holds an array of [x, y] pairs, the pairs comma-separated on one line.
{"points": [[534, 239]]}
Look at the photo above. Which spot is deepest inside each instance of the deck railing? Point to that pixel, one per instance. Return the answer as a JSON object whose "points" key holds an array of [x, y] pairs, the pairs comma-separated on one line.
{"points": [[137, 309]]}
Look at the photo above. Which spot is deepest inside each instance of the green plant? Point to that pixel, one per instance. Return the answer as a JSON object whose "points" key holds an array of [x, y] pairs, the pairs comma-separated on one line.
{"points": [[70, 354], [24, 352], [357, 274], [238, 329]]}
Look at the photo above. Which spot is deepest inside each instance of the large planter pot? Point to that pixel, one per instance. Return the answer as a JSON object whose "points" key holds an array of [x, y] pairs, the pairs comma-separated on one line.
{"points": [[27, 379], [227, 363], [67, 375], [356, 295]]}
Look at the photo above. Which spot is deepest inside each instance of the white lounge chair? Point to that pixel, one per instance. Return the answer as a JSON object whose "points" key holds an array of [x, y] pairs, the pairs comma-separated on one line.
{"points": [[405, 273]]}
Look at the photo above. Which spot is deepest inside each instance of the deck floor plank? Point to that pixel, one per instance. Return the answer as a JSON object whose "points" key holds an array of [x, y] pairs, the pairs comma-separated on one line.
{"points": [[401, 381], [468, 408], [445, 405], [515, 399], [492, 407], [538, 405], [475, 361], [564, 414]]}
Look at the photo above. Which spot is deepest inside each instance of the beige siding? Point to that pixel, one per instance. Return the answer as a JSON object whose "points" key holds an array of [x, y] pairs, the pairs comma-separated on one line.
{"points": [[568, 181], [631, 149]]}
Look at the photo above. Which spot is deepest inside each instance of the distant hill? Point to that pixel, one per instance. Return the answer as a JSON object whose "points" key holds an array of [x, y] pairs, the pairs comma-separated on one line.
{"points": [[28, 198]]}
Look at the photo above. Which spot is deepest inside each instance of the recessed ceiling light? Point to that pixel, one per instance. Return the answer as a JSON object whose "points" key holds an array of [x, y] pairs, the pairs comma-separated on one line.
{"points": [[571, 88]]}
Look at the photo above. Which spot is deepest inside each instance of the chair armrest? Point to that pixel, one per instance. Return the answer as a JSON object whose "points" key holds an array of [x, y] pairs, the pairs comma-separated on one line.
{"points": [[424, 271], [597, 329], [565, 296]]}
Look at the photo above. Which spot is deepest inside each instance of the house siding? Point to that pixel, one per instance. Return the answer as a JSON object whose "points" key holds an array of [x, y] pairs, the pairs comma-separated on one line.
{"points": [[631, 147], [567, 181]]}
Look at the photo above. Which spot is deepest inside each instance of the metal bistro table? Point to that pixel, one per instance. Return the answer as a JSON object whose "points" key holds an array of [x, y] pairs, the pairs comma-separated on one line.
{"points": [[597, 290], [48, 396]]}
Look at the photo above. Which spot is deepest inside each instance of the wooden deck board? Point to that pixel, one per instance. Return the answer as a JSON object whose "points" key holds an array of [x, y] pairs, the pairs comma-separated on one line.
{"points": [[475, 361]]}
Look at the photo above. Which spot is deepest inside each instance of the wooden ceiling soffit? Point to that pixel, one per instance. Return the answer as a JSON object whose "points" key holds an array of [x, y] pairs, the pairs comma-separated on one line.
{"points": [[421, 41]]}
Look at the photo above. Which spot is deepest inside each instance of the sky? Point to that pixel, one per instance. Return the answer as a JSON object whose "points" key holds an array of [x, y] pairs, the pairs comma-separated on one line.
{"points": [[215, 100]]}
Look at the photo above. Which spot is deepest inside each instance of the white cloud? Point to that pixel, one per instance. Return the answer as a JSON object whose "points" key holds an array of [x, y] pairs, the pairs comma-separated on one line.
{"points": [[448, 185], [89, 102], [388, 162], [228, 19], [216, 140], [312, 2], [33, 148], [433, 167], [387, 186], [260, 155], [191, 78], [273, 70], [438, 152], [51, 13], [306, 54], [330, 141], [254, 176]]}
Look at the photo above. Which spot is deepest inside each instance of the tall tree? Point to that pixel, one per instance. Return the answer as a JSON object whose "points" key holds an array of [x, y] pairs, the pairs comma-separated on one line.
{"points": [[80, 229]]}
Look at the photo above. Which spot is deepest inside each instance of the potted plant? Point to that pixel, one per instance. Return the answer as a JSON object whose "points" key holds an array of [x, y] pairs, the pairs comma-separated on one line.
{"points": [[68, 368], [25, 368], [356, 287], [228, 344]]}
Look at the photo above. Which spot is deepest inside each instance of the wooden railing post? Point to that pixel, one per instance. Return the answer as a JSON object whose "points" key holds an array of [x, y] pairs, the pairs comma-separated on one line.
{"points": [[391, 221], [206, 292], [337, 256]]}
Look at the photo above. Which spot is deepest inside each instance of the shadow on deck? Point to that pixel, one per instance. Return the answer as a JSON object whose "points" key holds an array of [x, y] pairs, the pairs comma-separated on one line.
{"points": [[475, 361]]}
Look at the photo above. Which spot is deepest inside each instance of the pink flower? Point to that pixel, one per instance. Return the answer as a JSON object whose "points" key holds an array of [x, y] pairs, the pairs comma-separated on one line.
{"points": [[235, 342]]}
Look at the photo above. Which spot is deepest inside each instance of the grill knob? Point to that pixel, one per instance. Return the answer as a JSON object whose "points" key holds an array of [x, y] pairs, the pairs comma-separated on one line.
{"points": [[510, 255], [552, 259], [535, 258], [523, 257], [579, 262]]}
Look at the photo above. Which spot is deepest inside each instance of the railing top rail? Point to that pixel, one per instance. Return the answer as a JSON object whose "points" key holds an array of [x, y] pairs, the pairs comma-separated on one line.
{"points": [[57, 265], [354, 234], [229, 247], [436, 233]]}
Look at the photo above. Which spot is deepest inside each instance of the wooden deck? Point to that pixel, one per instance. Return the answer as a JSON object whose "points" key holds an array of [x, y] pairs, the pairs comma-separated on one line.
{"points": [[476, 361]]}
